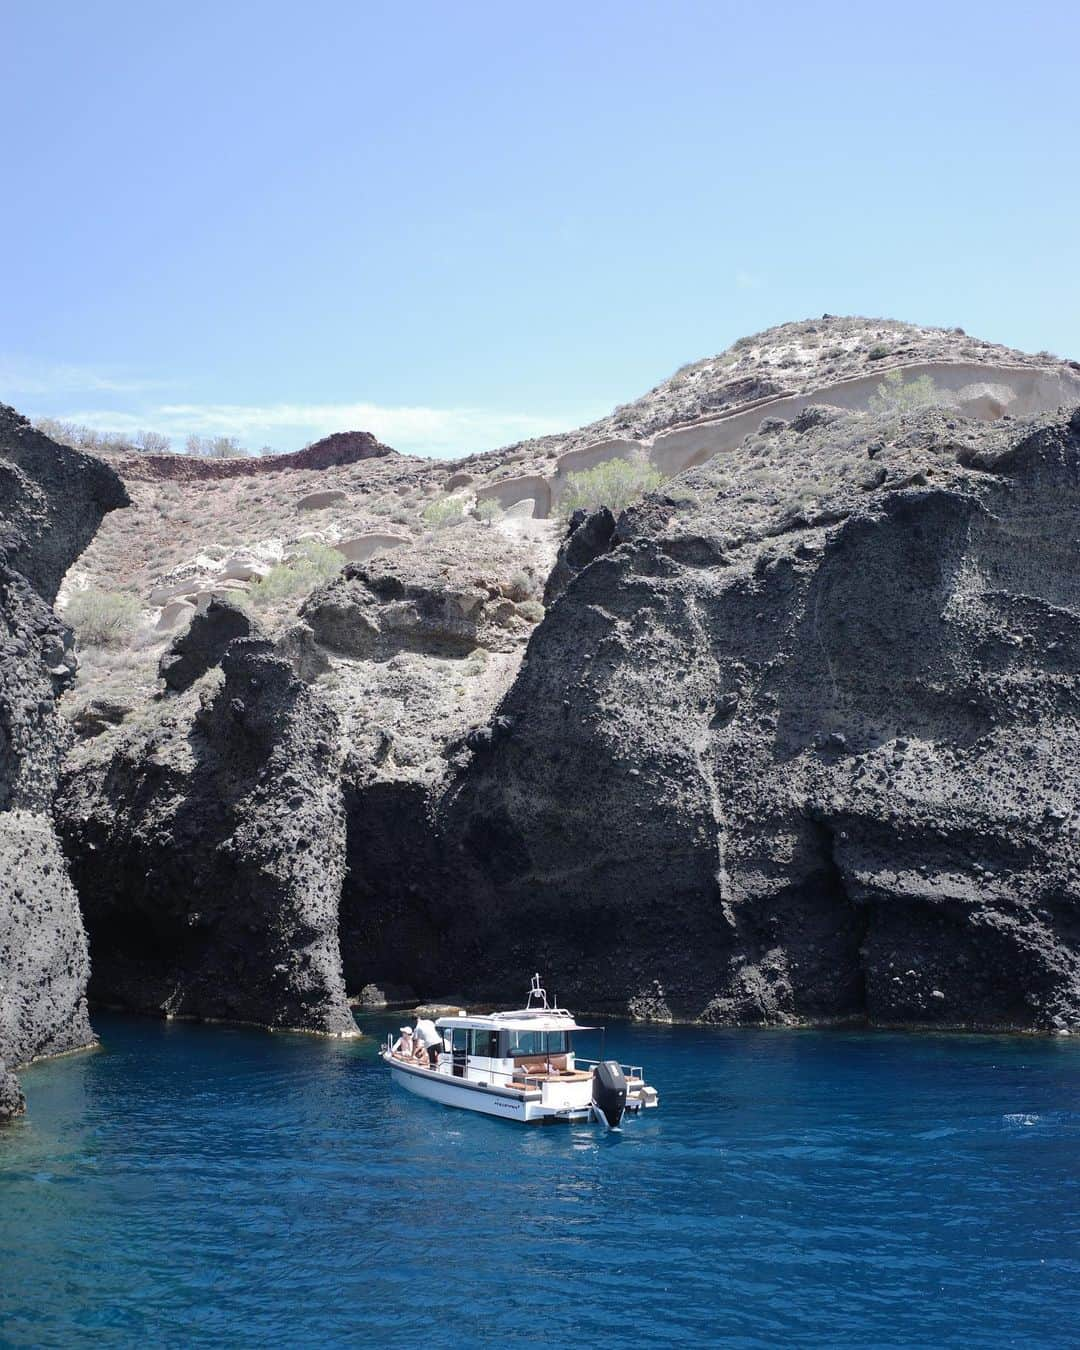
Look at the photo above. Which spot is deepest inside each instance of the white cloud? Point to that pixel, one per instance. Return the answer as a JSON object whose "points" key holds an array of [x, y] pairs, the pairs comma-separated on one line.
{"points": [[748, 281], [23, 379], [109, 401], [286, 426]]}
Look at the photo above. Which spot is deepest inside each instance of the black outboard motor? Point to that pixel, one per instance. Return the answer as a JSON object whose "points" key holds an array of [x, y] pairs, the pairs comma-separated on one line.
{"points": [[609, 1092]]}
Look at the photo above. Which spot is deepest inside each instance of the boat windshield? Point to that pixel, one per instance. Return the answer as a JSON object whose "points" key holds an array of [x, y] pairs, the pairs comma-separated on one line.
{"points": [[538, 1043]]}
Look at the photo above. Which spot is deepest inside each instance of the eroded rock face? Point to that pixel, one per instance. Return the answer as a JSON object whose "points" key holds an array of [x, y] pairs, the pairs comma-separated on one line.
{"points": [[203, 645], [781, 756], [42, 944], [371, 615], [12, 1101], [209, 854], [422, 604], [51, 500], [588, 535], [298, 646], [796, 739], [318, 501]]}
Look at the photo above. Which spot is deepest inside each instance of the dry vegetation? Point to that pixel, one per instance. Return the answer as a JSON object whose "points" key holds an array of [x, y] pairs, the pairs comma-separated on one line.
{"points": [[616, 484], [174, 531], [825, 461], [103, 618]]}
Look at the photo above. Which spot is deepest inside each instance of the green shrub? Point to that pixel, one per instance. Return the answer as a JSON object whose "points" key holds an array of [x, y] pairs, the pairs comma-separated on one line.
{"points": [[532, 610], [521, 586], [683, 496], [444, 513], [894, 395], [103, 618], [311, 564], [615, 484], [487, 510], [476, 661], [877, 353], [319, 559]]}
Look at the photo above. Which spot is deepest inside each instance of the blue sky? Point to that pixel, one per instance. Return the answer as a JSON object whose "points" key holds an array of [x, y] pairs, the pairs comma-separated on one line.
{"points": [[456, 225]]}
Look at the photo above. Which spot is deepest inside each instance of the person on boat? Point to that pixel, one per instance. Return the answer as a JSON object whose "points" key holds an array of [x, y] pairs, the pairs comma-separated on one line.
{"points": [[404, 1047], [429, 1041]]}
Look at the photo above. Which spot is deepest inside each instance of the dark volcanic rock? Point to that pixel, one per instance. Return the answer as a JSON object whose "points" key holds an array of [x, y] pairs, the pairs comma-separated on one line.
{"points": [[209, 854], [51, 501], [43, 960], [370, 611], [298, 646], [42, 943], [203, 645], [12, 1101], [798, 737], [99, 715], [586, 538], [372, 998], [783, 754], [343, 447]]}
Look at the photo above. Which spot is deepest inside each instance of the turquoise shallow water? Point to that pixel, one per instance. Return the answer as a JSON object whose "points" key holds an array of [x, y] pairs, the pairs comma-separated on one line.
{"points": [[214, 1186]]}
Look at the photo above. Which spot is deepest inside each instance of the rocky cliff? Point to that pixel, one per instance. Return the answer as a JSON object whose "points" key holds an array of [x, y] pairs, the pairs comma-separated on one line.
{"points": [[208, 850], [773, 761], [794, 739], [51, 502]]}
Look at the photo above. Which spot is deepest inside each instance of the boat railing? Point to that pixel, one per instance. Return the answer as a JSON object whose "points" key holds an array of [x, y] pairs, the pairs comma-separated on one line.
{"points": [[497, 1076], [629, 1070]]}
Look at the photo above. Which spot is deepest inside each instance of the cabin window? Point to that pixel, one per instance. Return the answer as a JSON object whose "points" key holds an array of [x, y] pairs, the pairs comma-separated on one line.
{"points": [[538, 1043], [484, 1043], [459, 1040]]}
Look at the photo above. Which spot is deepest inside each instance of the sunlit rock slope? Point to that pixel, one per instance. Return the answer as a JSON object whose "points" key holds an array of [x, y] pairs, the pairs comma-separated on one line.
{"points": [[792, 739]]}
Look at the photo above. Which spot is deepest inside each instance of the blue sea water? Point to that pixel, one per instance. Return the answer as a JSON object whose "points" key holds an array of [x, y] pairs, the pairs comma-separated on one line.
{"points": [[195, 1186]]}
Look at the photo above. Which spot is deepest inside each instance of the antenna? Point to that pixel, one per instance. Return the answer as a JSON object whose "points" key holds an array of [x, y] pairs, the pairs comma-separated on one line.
{"points": [[536, 990]]}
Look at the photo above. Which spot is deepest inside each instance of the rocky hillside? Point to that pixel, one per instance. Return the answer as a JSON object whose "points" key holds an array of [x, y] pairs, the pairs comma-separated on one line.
{"points": [[51, 503], [791, 739], [773, 760]]}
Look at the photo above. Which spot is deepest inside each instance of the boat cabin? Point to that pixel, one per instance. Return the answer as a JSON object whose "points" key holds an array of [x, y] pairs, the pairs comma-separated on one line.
{"points": [[511, 1049], [520, 1065]]}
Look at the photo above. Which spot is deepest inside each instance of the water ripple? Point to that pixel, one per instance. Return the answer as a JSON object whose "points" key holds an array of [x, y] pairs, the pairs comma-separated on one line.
{"points": [[212, 1186]]}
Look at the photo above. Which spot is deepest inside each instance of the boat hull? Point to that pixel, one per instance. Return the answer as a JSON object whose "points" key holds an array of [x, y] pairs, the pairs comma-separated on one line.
{"points": [[525, 1107]]}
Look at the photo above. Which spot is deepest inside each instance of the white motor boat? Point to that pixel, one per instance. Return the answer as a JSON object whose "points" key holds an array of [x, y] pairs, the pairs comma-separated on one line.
{"points": [[519, 1065]]}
